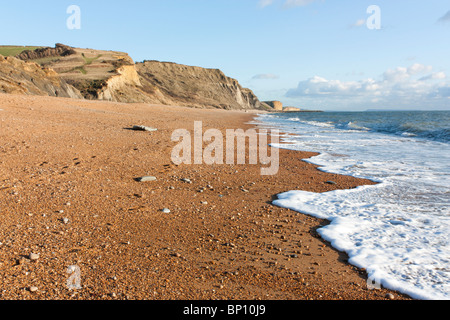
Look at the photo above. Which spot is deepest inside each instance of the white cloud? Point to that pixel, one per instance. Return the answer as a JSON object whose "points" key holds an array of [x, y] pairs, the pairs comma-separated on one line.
{"points": [[265, 3], [297, 3], [317, 86], [266, 76], [359, 23], [418, 68], [434, 76], [400, 74], [415, 85], [396, 75], [287, 3]]}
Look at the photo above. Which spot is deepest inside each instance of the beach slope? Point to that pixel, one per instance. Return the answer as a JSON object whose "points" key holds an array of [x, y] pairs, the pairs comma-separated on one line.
{"points": [[69, 197]]}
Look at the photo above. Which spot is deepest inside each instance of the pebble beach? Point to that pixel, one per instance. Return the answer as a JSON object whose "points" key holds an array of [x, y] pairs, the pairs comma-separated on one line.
{"points": [[91, 184]]}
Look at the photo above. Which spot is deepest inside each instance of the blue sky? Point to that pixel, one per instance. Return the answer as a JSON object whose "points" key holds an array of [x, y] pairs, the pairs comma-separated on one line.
{"points": [[305, 53]]}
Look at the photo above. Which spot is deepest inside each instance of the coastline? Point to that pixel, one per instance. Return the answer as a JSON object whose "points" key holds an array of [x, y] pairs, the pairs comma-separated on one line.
{"points": [[74, 159]]}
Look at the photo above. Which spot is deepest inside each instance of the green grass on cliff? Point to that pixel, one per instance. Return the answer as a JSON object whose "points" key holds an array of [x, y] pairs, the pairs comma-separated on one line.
{"points": [[89, 61], [8, 51]]}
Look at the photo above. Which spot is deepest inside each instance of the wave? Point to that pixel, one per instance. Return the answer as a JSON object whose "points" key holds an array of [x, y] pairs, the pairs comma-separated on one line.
{"points": [[431, 126], [413, 130], [397, 230]]}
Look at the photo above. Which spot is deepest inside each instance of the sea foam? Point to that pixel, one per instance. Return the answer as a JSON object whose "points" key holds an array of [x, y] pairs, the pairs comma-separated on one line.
{"points": [[398, 230]]}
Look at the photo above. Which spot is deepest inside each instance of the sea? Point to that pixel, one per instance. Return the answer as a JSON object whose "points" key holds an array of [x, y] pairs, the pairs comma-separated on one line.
{"points": [[399, 229]]}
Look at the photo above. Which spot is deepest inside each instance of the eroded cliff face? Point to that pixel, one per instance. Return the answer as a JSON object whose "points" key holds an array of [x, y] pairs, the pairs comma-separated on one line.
{"points": [[59, 50], [20, 77], [194, 86], [174, 84], [276, 105], [113, 76], [124, 86]]}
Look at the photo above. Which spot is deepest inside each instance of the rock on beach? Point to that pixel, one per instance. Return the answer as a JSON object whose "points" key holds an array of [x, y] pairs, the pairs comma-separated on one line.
{"points": [[146, 179], [144, 128]]}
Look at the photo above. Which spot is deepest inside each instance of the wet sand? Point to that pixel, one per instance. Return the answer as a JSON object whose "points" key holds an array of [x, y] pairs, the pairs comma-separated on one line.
{"points": [[68, 193]]}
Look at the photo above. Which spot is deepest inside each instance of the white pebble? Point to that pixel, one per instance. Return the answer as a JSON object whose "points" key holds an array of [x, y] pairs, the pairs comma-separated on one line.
{"points": [[34, 256]]}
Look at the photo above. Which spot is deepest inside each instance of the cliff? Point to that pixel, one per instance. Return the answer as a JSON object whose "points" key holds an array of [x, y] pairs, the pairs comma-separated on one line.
{"points": [[124, 86], [275, 105], [97, 74], [20, 77], [112, 75], [45, 52], [194, 86], [291, 109]]}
